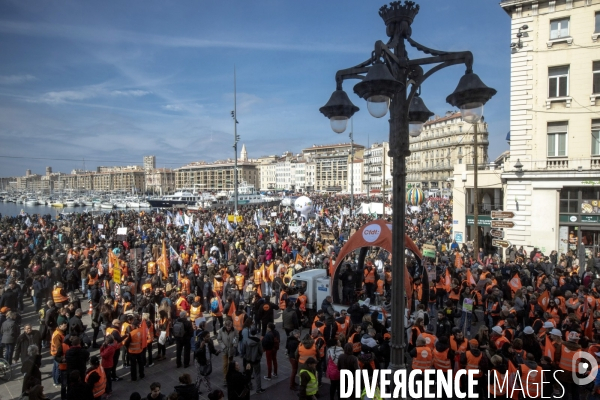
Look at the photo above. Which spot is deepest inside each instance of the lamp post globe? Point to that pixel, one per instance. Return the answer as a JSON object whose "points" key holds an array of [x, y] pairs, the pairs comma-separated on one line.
{"points": [[339, 109], [470, 96]]}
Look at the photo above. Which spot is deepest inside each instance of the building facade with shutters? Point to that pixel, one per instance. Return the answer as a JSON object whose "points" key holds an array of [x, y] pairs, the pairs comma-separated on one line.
{"points": [[554, 125], [444, 142]]}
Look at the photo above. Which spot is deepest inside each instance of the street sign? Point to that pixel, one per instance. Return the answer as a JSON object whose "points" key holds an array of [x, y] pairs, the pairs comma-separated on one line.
{"points": [[503, 214], [502, 224], [497, 233], [500, 243]]}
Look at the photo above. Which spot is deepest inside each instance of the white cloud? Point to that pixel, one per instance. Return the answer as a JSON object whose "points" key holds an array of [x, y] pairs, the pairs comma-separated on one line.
{"points": [[134, 93], [172, 107], [15, 79], [88, 92]]}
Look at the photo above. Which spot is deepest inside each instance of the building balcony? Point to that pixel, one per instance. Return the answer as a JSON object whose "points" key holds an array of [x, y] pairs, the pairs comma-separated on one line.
{"points": [[555, 164]]}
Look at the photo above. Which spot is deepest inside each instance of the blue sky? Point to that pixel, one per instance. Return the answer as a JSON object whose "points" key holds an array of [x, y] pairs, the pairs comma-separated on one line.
{"points": [[112, 81]]}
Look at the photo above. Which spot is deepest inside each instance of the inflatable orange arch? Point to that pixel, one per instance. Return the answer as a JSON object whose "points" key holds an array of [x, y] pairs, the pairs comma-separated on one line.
{"points": [[377, 233]]}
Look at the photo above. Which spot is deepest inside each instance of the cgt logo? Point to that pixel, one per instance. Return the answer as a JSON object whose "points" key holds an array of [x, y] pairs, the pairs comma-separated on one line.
{"points": [[371, 233]]}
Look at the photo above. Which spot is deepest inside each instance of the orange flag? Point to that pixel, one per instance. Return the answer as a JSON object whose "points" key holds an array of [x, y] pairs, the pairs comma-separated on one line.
{"points": [[163, 261], [589, 327], [515, 283], [543, 300], [232, 309], [470, 278], [549, 348], [458, 261], [299, 258]]}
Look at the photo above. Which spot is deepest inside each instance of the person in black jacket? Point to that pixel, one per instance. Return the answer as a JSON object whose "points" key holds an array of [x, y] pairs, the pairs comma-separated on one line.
{"points": [[187, 390], [184, 343], [76, 357], [291, 345], [10, 297], [270, 344], [238, 382], [202, 356], [28, 338], [266, 313]]}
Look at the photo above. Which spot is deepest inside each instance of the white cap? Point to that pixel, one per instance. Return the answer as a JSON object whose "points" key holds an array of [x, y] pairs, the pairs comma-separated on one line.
{"points": [[548, 325], [555, 332], [497, 329], [528, 330]]}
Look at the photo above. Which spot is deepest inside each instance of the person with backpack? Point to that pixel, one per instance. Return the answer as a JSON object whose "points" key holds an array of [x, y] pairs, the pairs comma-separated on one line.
{"points": [[332, 371], [202, 359], [253, 353], [182, 332], [216, 311], [270, 344]]}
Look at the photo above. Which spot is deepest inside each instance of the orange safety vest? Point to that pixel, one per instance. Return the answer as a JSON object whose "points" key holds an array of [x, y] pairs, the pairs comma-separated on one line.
{"points": [[151, 268], [429, 340], [135, 344], [282, 300], [356, 345], [500, 342], [53, 348], [195, 312], [533, 377], [423, 359], [58, 297], [186, 285], [179, 306], [150, 333], [304, 353], [473, 363], [146, 286], [92, 281], [388, 277], [238, 322], [440, 360], [369, 275], [217, 285], [258, 279], [342, 328], [497, 388], [566, 358], [302, 299], [100, 386], [458, 349], [239, 281], [124, 327], [379, 289], [63, 365]]}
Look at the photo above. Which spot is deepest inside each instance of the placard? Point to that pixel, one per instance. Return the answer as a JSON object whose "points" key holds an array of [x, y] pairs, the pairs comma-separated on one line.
{"points": [[468, 305], [117, 274], [429, 250], [100, 226], [273, 214], [458, 237], [121, 231]]}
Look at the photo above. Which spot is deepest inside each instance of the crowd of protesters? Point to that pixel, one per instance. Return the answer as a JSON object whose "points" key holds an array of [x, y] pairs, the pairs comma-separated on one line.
{"points": [[212, 286]]}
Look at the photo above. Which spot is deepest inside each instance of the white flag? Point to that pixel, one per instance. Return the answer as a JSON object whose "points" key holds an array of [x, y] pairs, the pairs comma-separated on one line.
{"points": [[229, 227], [28, 222], [211, 227]]}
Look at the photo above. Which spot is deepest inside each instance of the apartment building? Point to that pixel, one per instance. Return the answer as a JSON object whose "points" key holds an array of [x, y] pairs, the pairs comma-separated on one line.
{"points": [[552, 176], [217, 176], [377, 175], [444, 142]]}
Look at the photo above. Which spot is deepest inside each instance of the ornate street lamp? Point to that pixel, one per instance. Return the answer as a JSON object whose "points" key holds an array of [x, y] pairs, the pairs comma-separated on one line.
{"points": [[390, 80]]}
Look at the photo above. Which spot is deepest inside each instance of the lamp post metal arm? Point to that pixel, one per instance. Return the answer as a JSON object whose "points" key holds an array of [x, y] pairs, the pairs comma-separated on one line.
{"points": [[349, 73], [419, 81], [381, 49]]}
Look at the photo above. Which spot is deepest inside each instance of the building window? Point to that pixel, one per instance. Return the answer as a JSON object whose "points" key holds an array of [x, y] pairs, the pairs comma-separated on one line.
{"points": [[558, 81], [596, 137], [557, 139], [597, 29], [596, 70], [559, 28]]}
